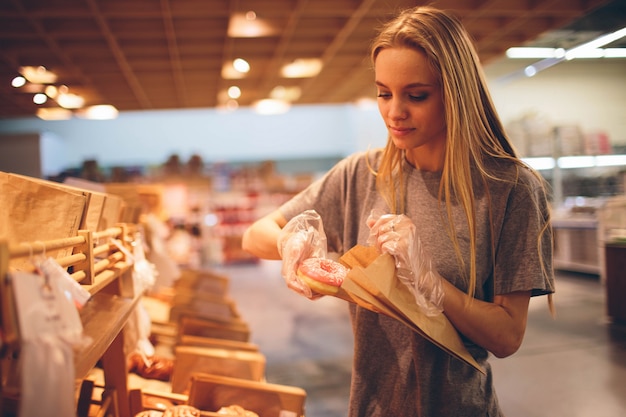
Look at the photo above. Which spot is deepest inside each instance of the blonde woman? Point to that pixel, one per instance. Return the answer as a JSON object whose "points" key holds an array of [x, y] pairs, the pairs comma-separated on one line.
{"points": [[466, 221]]}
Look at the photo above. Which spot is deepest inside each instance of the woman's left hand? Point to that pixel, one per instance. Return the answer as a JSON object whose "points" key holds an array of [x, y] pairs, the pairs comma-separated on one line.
{"points": [[397, 236]]}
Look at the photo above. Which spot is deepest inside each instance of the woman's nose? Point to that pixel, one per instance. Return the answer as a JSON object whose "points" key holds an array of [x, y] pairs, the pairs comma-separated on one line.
{"points": [[397, 109]]}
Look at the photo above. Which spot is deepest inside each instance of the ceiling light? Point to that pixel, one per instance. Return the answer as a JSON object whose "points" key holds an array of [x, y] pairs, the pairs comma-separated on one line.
{"points": [[52, 91], [235, 70], [366, 103], [228, 106], [241, 65], [18, 81], [596, 43], [53, 113], [271, 106], [40, 98], [286, 93], [248, 25], [98, 112], [232, 105], [615, 52], [576, 162], [585, 50], [591, 49], [234, 92], [530, 52], [530, 71], [38, 75], [302, 68], [547, 53], [70, 100], [540, 163]]}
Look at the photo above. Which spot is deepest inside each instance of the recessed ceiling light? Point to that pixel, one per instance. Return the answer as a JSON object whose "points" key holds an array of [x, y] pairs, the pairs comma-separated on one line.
{"points": [[286, 93], [234, 92], [53, 113], [241, 65], [302, 68], [235, 70], [270, 106], [40, 98], [248, 25], [18, 81], [38, 75], [98, 112], [70, 101]]}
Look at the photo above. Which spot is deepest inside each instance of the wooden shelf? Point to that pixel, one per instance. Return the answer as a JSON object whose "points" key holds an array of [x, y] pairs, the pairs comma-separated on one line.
{"points": [[103, 318], [105, 273]]}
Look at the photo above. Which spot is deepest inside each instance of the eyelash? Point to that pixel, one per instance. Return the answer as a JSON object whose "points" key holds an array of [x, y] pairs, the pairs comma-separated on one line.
{"points": [[420, 97]]}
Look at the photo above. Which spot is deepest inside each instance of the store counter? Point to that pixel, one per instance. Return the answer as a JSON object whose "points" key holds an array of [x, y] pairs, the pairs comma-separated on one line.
{"points": [[615, 258], [576, 244]]}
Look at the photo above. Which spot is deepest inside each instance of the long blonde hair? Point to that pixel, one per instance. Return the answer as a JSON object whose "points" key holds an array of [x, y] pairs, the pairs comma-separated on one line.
{"points": [[474, 130]]}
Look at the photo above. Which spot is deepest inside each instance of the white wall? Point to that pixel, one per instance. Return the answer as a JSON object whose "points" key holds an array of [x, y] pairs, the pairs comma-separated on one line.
{"points": [[150, 137], [591, 93]]}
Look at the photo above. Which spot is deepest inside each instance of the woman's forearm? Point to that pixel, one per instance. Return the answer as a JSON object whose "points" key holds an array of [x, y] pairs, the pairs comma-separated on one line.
{"points": [[498, 327], [260, 239]]}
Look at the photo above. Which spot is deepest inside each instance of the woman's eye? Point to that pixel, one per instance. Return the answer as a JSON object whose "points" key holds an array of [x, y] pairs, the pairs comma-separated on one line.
{"points": [[418, 97], [382, 94]]}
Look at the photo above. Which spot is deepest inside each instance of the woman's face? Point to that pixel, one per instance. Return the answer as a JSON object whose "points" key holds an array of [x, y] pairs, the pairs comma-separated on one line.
{"points": [[410, 102]]}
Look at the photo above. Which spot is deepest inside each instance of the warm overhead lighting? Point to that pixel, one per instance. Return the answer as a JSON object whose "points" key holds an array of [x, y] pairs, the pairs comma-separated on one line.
{"points": [[366, 103], [38, 75], [98, 112], [232, 105], [70, 100], [18, 81], [234, 92], [236, 69], [40, 98], [241, 65], [271, 106], [286, 93], [54, 113], [302, 68], [52, 91], [248, 25], [228, 106]]}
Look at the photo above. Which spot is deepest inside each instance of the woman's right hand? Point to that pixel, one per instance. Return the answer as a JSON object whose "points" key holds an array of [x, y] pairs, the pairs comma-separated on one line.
{"points": [[302, 237]]}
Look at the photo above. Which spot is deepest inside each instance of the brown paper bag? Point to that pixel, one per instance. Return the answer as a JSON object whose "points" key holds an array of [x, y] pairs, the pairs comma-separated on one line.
{"points": [[93, 205], [33, 210], [372, 284]]}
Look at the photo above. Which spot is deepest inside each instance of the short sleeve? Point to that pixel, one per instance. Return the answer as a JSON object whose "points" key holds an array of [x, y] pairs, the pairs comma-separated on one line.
{"points": [[524, 249]]}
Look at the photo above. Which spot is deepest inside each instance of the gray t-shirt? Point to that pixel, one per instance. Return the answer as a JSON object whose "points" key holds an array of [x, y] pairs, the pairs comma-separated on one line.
{"points": [[396, 372]]}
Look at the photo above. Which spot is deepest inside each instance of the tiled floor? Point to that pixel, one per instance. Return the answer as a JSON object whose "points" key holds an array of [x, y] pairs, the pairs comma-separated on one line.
{"points": [[573, 365]]}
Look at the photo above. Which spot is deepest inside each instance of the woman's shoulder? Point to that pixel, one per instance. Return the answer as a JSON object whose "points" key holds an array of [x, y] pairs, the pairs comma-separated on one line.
{"points": [[360, 160], [515, 172]]}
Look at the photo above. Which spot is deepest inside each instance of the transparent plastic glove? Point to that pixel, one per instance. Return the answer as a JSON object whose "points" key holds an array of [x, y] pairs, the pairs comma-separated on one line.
{"points": [[396, 235], [302, 237]]}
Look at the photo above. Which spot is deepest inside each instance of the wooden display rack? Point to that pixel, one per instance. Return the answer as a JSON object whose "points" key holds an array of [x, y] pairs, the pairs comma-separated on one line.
{"points": [[103, 270]]}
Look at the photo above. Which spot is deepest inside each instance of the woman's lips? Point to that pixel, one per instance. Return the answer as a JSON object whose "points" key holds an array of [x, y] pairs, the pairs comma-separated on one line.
{"points": [[400, 131]]}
